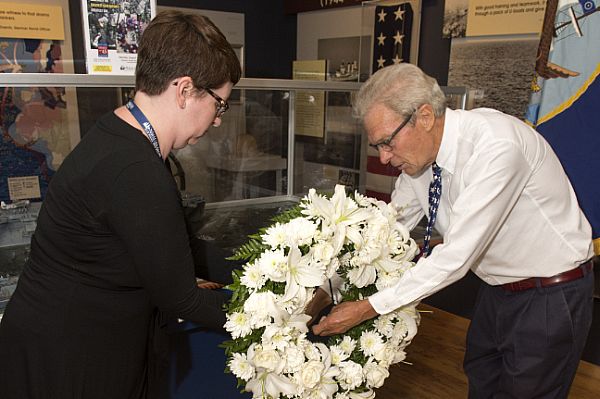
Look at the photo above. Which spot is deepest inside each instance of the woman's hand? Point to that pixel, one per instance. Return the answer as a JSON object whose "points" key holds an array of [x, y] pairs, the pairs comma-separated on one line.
{"points": [[208, 285]]}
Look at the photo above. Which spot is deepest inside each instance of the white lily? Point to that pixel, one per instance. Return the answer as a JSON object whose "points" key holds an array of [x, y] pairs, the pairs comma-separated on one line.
{"points": [[338, 213], [301, 273]]}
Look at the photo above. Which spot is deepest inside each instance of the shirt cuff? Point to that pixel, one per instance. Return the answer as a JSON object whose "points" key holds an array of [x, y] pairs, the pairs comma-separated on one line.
{"points": [[380, 303]]}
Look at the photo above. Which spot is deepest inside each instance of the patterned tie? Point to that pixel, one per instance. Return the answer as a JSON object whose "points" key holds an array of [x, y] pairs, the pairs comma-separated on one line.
{"points": [[435, 191]]}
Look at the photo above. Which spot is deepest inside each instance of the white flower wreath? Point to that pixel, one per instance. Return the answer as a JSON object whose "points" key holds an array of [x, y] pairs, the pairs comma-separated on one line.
{"points": [[356, 238]]}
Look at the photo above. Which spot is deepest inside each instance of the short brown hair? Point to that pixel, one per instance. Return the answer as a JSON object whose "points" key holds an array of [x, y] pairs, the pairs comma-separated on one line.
{"points": [[177, 44]]}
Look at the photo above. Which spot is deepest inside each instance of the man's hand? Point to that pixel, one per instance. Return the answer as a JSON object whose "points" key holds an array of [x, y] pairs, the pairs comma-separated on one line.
{"points": [[320, 300], [345, 316]]}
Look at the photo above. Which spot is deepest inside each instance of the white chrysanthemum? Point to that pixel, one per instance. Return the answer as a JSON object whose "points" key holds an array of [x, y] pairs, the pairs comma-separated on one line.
{"points": [[276, 236], [385, 280], [338, 355], [274, 264], [370, 342], [253, 276], [238, 324], [351, 375], [241, 367], [384, 325], [348, 344]]}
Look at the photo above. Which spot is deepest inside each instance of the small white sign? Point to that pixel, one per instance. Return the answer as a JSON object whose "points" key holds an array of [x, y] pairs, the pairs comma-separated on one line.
{"points": [[26, 187]]}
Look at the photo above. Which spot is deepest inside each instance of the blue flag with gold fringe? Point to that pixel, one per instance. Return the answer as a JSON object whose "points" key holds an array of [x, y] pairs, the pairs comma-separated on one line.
{"points": [[565, 104]]}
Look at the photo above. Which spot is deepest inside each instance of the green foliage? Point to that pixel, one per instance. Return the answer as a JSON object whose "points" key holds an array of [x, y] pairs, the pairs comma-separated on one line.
{"points": [[250, 250]]}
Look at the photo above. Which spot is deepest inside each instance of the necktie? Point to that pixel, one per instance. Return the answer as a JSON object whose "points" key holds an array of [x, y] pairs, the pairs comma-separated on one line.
{"points": [[435, 191]]}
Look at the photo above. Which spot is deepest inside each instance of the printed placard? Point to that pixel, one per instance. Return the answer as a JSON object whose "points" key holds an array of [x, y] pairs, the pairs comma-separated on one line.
{"points": [[505, 17], [31, 21], [25, 187], [112, 31]]}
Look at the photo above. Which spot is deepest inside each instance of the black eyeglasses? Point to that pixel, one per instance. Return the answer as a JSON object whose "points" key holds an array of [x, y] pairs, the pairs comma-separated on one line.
{"points": [[222, 105], [384, 145]]}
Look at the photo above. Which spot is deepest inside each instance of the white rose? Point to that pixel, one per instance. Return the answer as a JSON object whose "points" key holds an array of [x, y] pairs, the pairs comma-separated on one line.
{"points": [[311, 372], [375, 374], [386, 355], [322, 252], [268, 359]]}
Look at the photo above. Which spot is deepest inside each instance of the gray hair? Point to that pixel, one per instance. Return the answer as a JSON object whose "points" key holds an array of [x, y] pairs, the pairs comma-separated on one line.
{"points": [[403, 88]]}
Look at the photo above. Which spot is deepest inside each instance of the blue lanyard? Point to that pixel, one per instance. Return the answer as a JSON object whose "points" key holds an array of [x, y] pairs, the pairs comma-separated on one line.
{"points": [[142, 120]]}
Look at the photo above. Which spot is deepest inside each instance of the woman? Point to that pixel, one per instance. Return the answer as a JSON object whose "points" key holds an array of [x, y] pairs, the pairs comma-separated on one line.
{"points": [[111, 245]]}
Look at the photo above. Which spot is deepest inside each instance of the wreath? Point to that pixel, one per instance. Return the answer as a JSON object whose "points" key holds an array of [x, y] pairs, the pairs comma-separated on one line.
{"points": [[356, 238]]}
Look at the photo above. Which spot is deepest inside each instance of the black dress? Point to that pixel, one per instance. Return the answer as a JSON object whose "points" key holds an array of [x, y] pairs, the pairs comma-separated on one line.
{"points": [[110, 248]]}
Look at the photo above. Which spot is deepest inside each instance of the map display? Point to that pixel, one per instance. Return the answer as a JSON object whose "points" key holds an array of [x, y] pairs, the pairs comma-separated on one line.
{"points": [[38, 125]]}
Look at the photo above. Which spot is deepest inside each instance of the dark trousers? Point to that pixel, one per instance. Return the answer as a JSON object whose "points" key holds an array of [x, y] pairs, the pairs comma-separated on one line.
{"points": [[527, 344]]}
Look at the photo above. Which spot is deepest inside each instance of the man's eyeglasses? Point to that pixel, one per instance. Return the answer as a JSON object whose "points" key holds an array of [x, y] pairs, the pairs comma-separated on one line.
{"points": [[384, 145], [222, 105]]}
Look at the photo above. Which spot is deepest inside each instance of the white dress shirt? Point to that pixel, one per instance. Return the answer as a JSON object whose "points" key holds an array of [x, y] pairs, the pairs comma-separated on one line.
{"points": [[507, 209]]}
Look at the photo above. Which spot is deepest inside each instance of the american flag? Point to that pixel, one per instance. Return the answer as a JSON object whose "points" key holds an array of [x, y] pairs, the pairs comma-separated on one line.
{"points": [[391, 45], [391, 36]]}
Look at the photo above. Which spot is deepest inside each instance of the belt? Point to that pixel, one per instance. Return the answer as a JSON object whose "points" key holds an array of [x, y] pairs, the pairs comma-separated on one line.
{"points": [[563, 277]]}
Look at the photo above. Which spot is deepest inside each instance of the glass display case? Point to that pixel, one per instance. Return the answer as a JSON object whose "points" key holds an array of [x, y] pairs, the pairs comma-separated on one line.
{"points": [[232, 180]]}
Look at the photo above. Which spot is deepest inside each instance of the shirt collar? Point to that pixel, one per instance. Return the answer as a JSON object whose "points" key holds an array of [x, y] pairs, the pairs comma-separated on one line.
{"points": [[446, 156]]}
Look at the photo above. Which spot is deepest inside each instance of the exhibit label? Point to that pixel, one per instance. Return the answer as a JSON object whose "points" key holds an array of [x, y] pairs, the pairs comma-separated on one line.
{"points": [[31, 21]]}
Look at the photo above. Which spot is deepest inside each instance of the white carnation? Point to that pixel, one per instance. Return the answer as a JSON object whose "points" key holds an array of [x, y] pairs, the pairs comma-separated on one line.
{"points": [[351, 375], [294, 357], [301, 231]]}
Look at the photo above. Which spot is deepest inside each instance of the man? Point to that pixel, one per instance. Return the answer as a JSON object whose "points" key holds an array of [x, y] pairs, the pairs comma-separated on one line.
{"points": [[506, 211]]}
